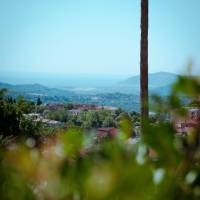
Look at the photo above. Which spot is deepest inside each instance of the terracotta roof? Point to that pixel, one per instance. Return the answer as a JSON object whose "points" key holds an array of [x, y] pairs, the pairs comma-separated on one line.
{"points": [[104, 132]]}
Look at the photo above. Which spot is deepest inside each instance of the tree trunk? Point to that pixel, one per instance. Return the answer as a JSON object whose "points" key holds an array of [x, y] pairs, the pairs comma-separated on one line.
{"points": [[144, 63]]}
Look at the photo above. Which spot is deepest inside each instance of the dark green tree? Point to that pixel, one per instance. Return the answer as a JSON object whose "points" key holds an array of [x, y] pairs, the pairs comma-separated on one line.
{"points": [[29, 128], [108, 122], [9, 119], [39, 101], [25, 106]]}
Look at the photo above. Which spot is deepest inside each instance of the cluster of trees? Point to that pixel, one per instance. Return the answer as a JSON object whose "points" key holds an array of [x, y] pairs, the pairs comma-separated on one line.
{"points": [[60, 114], [9, 116], [91, 119], [12, 120], [96, 119]]}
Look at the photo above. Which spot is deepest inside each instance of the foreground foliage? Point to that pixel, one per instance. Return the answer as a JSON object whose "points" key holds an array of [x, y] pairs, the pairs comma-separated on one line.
{"points": [[73, 165]]}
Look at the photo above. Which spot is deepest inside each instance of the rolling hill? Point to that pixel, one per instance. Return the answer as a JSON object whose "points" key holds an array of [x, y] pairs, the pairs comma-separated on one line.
{"points": [[158, 79]]}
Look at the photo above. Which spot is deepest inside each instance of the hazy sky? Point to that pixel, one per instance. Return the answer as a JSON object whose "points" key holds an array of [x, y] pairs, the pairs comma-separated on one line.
{"points": [[96, 36]]}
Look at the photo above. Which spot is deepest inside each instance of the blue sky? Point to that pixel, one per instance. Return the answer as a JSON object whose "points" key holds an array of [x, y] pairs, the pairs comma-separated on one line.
{"points": [[96, 36]]}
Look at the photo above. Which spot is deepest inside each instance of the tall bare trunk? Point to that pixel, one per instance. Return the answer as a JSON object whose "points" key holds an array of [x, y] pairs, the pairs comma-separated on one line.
{"points": [[144, 62]]}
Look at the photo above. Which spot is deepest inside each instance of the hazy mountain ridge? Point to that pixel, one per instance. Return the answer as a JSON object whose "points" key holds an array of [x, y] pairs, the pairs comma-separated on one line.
{"points": [[158, 79], [124, 94], [37, 89], [51, 95]]}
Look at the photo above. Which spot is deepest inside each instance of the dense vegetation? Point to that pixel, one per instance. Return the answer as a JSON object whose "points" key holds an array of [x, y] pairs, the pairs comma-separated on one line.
{"points": [[90, 119], [72, 165], [15, 121]]}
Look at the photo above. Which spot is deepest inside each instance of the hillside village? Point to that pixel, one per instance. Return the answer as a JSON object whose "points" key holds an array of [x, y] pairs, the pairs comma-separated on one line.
{"points": [[182, 125]]}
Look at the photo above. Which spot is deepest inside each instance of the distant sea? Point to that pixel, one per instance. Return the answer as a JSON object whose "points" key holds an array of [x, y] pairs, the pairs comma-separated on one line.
{"points": [[79, 81]]}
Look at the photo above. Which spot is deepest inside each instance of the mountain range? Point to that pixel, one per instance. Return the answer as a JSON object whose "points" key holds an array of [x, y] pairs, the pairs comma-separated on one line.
{"points": [[158, 79], [124, 94], [34, 90]]}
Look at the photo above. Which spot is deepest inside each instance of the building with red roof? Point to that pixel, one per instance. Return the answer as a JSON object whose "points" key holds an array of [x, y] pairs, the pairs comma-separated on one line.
{"points": [[106, 132]]}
